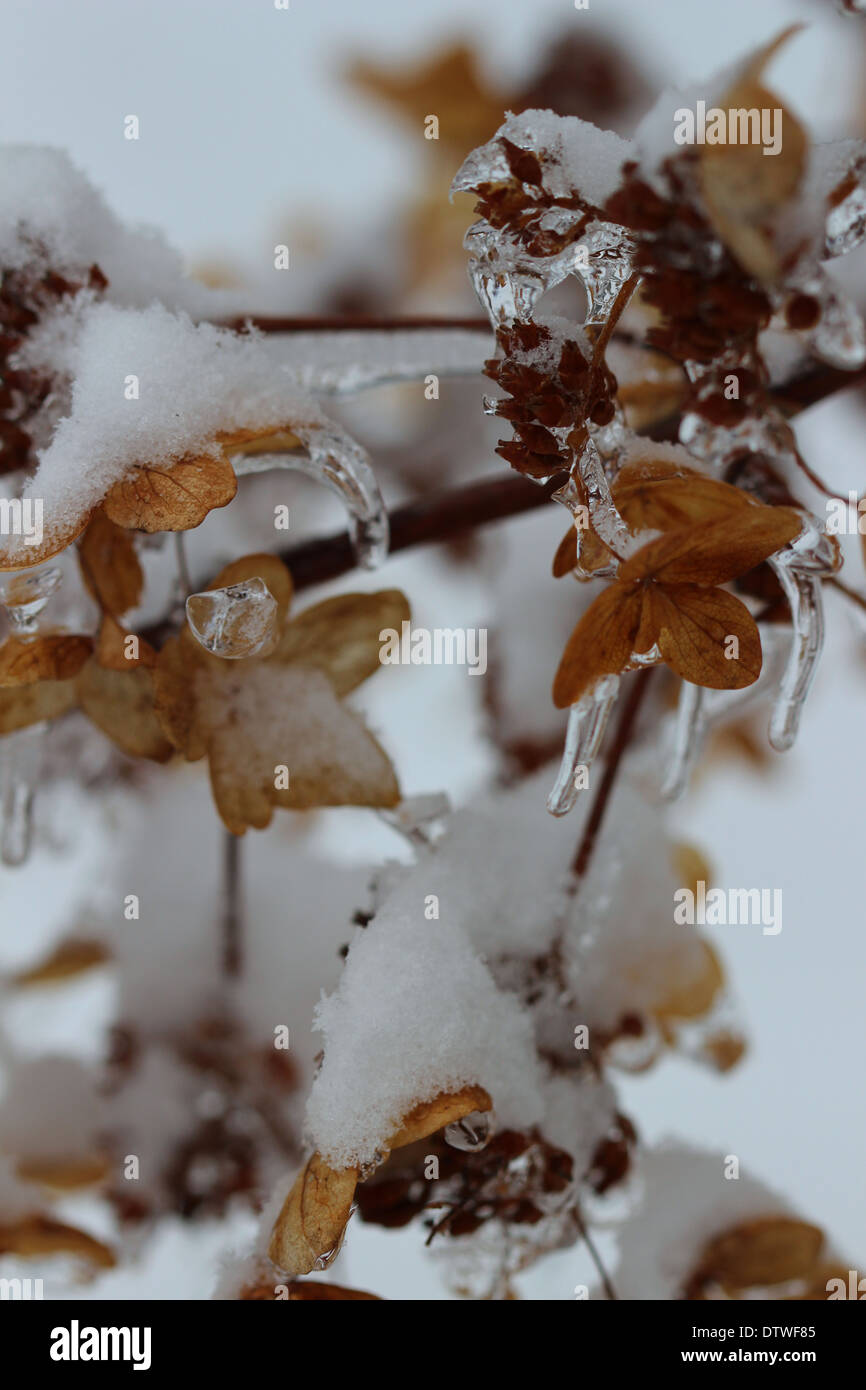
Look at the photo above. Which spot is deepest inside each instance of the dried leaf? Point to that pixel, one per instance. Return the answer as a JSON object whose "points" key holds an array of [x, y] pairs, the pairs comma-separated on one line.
{"points": [[39, 1235], [121, 704], [600, 645], [53, 657], [432, 1115], [761, 1253], [341, 636], [692, 995], [743, 187], [109, 565], [692, 626], [175, 498], [116, 653], [71, 957], [64, 1174], [305, 1291], [715, 551], [24, 705], [690, 866], [314, 1216]]}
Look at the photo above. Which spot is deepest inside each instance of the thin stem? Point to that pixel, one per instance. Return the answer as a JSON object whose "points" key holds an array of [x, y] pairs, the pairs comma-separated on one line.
{"points": [[183, 575], [232, 907], [621, 739], [588, 1241], [359, 323]]}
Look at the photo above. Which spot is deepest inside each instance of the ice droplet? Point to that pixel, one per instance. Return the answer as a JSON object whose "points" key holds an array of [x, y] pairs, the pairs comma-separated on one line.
{"points": [[689, 730], [332, 457], [587, 720], [235, 622], [25, 596], [19, 776], [471, 1133]]}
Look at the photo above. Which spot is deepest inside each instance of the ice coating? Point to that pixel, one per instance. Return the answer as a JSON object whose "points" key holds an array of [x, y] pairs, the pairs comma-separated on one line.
{"points": [[20, 769], [25, 596], [689, 730], [235, 622], [587, 721]]}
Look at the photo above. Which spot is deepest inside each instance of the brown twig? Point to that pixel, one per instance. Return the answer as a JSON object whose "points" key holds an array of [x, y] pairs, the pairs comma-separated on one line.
{"points": [[232, 906], [357, 323], [621, 739]]}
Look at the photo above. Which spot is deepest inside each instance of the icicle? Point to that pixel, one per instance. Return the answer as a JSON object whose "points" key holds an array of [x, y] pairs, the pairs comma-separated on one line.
{"points": [[19, 776], [604, 264], [803, 592], [331, 456], [235, 622], [25, 596], [606, 520], [586, 724], [419, 819], [689, 731]]}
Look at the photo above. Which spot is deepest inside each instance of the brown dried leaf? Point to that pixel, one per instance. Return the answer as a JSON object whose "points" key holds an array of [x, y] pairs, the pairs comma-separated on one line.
{"points": [[693, 995], [121, 704], [761, 1253], [24, 705], [715, 551], [177, 497], [600, 645], [109, 565], [314, 1216], [692, 625], [39, 1235], [341, 635], [116, 653], [431, 1115], [55, 657], [743, 187]]}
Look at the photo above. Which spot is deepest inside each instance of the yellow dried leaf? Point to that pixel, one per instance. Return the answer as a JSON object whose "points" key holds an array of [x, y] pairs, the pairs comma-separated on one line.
{"points": [[694, 992], [690, 866], [64, 1174], [116, 653], [69, 958]]}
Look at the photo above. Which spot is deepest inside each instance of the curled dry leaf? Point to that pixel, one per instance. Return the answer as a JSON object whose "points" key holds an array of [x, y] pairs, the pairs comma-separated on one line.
{"points": [[64, 1174], [666, 597], [310, 1227], [109, 565], [39, 1235], [758, 1254], [71, 957], [304, 1291], [116, 652], [51, 657], [254, 716], [314, 1216], [744, 187]]}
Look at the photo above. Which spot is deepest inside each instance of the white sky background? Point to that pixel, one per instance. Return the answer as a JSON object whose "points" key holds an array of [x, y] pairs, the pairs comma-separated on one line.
{"points": [[244, 120]]}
